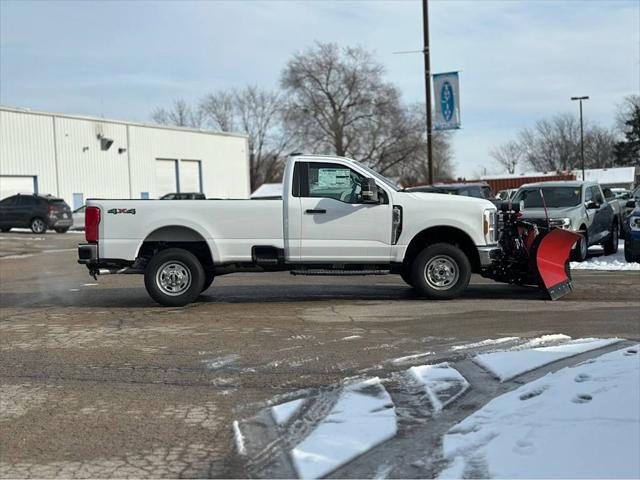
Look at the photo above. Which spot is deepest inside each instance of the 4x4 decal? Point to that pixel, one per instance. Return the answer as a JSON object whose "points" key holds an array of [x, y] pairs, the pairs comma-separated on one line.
{"points": [[115, 211]]}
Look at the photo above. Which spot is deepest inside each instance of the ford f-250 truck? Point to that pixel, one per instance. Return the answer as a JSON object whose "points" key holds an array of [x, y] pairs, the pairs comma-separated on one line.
{"points": [[336, 217]]}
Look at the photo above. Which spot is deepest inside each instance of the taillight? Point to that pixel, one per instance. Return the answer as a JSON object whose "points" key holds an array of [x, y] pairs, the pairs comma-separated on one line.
{"points": [[91, 223]]}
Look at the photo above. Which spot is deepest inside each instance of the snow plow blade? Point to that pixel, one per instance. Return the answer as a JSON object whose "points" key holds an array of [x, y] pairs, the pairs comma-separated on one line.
{"points": [[552, 262]]}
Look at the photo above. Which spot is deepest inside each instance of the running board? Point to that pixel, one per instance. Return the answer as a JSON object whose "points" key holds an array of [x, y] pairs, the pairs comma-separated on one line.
{"points": [[337, 272]]}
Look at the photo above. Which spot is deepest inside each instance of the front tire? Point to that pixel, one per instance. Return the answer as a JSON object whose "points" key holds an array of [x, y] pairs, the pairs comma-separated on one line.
{"points": [[579, 254], [441, 271], [5, 230], [405, 274], [174, 277], [611, 245], [38, 225]]}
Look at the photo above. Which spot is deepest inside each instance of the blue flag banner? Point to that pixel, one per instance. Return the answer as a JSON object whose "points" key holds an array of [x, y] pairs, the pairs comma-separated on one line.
{"points": [[446, 90]]}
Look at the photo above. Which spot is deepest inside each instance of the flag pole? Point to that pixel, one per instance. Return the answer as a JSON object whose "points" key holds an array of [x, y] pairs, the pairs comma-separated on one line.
{"points": [[427, 75]]}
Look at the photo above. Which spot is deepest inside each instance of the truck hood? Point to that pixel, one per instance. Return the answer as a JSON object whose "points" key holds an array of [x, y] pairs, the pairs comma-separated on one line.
{"points": [[443, 198], [553, 212]]}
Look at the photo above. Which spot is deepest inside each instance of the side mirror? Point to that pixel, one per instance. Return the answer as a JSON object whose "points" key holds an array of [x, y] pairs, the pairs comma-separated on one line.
{"points": [[631, 204], [370, 191], [591, 205]]}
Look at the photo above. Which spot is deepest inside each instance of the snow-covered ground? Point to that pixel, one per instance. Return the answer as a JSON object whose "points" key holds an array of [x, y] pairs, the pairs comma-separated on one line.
{"points": [[363, 417], [440, 380], [610, 262], [283, 412], [580, 422], [509, 364]]}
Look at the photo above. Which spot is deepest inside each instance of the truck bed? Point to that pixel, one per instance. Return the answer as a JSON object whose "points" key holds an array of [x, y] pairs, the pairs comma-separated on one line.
{"points": [[230, 227]]}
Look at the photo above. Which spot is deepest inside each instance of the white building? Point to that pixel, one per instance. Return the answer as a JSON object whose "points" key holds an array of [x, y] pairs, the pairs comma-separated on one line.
{"points": [[76, 158]]}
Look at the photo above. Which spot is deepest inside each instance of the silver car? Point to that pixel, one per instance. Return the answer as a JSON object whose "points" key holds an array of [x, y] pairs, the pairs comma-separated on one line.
{"points": [[78, 218], [574, 205]]}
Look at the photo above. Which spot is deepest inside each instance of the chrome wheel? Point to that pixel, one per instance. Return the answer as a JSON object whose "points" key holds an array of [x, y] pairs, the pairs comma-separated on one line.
{"points": [[37, 226], [173, 278], [441, 272]]}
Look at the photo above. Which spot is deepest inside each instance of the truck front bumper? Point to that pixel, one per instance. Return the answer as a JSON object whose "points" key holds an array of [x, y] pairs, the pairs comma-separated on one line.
{"points": [[488, 254]]}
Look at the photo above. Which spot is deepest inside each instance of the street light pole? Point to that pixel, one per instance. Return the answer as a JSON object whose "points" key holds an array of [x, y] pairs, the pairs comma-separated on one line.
{"points": [[427, 83], [580, 99]]}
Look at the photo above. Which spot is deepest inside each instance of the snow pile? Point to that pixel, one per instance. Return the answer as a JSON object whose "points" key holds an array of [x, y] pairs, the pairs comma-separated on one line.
{"points": [[282, 413], [510, 364], [442, 383], [238, 438], [580, 422], [363, 417], [485, 343], [609, 262], [410, 358]]}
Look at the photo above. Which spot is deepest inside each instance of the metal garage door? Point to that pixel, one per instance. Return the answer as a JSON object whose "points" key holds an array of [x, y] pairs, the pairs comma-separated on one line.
{"points": [[10, 185], [166, 177], [190, 176]]}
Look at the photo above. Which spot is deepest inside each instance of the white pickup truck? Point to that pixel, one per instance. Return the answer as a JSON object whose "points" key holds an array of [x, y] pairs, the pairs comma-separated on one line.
{"points": [[336, 217]]}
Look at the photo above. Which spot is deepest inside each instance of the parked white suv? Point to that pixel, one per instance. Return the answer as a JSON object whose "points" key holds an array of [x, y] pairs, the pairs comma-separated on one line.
{"points": [[336, 217]]}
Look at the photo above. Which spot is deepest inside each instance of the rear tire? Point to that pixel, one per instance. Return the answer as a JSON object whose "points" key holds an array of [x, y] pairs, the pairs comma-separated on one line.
{"points": [[38, 225], [61, 230], [174, 277], [627, 253], [5, 230], [581, 249], [208, 280], [611, 245], [441, 271]]}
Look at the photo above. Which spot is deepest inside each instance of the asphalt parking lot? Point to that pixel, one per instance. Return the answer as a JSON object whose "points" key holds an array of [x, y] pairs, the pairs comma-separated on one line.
{"points": [[98, 381]]}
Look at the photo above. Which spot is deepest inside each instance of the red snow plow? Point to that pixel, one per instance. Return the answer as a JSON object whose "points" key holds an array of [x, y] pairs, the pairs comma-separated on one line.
{"points": [[533, 254]]}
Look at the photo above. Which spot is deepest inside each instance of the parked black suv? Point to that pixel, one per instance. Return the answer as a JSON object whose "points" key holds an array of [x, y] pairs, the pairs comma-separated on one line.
{"points": [[184, 196], [37, 212]]}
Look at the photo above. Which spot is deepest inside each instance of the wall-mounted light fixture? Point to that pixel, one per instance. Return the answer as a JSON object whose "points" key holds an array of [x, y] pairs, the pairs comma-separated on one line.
{"points": [[105, 143]]}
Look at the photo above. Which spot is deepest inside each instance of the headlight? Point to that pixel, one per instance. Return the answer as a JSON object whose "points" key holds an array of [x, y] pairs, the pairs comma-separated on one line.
{"points": [[634, 223], [561, 222], [490, 224]]}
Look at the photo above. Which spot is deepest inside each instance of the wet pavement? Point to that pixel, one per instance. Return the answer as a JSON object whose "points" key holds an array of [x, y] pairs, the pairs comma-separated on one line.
{"points": [[99, 381]]}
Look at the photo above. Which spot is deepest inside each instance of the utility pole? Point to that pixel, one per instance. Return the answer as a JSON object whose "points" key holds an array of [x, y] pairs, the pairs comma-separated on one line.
{"points": [[580, 99], [427, 84]]}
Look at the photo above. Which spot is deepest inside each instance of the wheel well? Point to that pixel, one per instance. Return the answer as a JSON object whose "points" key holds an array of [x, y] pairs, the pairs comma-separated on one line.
{"points": [[175, 236], [449, 235]]}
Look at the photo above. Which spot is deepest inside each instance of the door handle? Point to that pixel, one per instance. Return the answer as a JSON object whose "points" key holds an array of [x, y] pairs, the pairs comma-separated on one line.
{"points": [[311, 211]]}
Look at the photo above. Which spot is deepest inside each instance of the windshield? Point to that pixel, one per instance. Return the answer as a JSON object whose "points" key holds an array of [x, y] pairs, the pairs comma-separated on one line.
{"points": [[377, 176], [555, 197]]}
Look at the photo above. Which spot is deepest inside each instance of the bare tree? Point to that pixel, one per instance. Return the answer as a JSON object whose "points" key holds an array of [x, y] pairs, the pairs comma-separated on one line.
{"points": [[340, 104], [553, 144], [179, 114], [258, 113], [508, 155]]}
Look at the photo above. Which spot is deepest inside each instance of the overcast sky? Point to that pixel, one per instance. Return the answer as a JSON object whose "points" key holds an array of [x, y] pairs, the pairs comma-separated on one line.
{"points": [[520, 60]]}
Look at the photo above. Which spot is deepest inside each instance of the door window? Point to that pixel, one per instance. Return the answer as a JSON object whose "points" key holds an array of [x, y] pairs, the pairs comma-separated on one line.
{"points": [[588, 195], [330, 180], [8, 202], [597, 194], [24, 201]]}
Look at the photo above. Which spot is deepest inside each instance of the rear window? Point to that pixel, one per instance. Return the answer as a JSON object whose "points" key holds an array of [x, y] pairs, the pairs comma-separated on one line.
{"points": [[555, 197], [57, 203]]}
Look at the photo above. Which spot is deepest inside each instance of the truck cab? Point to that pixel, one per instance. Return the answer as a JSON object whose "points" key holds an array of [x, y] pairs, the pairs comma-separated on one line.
{"points": [[336, 217]]}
